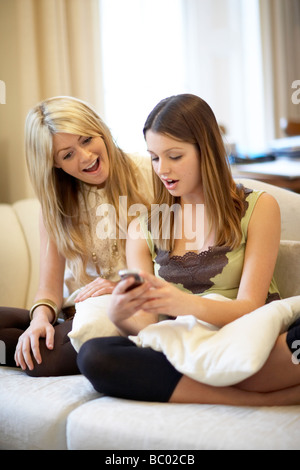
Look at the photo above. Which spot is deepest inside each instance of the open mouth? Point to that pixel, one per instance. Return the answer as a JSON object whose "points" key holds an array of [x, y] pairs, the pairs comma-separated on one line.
{"points": [[93, 166], [170, 184]]}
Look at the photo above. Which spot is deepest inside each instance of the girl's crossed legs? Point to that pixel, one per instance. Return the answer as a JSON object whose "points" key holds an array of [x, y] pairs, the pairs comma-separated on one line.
{"points": [[117, 367]]}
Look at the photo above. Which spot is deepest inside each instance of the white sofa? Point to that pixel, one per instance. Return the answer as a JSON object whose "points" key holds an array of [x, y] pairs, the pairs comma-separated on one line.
{"points": [[66, 412]]}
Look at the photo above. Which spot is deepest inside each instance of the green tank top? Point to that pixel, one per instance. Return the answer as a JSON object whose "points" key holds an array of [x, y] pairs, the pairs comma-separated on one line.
{"points": [[217, 270]]}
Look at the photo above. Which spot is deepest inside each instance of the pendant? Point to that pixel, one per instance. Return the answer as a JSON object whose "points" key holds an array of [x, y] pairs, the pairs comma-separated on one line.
{"points": [[114, 249], [95, 261]]}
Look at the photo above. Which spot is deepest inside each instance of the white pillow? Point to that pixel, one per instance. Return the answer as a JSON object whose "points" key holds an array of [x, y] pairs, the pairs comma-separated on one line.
{"points": [[226, 356], [91, 321]]}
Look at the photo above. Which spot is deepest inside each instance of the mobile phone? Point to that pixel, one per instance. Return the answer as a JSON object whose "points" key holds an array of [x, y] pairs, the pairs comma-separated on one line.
{"points": [[138, 280]]}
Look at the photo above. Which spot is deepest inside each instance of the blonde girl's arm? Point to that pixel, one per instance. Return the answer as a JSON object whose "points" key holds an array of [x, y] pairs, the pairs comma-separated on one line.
{"points": [[259, 263], [52, 266], [50, 287]]}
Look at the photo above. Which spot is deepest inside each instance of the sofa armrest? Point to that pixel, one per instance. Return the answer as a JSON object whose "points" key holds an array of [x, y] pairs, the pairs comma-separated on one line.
{"points": [[19, 253], [27, 211], [14, 260]]}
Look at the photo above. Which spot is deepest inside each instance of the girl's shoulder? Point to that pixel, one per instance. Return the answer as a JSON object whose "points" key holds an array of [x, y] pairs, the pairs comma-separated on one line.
{"points": [[257, 200], [250, 198]]}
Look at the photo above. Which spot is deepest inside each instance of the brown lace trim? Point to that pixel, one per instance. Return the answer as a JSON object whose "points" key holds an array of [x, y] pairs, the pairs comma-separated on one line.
{"points": [[192, 270]]}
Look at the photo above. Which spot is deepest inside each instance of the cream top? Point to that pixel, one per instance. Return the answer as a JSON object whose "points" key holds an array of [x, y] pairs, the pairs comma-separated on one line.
{"points": [[101, 233]]}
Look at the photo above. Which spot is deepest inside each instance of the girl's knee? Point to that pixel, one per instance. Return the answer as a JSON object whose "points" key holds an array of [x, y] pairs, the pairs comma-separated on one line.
{"points": [[100, 361], [96, 356]]}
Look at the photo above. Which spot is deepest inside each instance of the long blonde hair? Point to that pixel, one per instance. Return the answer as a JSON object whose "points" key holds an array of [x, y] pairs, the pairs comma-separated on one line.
{"points": [[190, 119], [56, 190]]}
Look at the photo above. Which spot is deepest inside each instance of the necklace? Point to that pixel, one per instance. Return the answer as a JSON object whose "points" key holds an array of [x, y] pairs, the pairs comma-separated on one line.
{"points": [[114, 251], [104, 252]]}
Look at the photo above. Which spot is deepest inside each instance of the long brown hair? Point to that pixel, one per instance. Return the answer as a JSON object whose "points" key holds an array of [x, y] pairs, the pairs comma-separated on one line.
{"points": [[188, 118]]}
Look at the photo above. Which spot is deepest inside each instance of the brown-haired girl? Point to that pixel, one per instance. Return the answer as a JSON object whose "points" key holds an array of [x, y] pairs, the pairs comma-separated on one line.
{"points": [[234, 257]]}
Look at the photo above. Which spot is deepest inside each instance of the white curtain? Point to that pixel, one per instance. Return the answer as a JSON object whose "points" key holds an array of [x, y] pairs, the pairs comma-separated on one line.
{"points": [[143, 62], [225, 66], [51, 47]]}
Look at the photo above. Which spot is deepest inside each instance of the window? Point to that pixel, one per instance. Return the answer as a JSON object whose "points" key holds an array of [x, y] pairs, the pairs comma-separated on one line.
{"points": [[156, 48], [143, 62], [225, 66]]}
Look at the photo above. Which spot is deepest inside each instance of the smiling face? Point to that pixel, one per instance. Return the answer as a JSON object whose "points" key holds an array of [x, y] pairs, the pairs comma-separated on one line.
{"points": [[177, 164], [84, 158]]}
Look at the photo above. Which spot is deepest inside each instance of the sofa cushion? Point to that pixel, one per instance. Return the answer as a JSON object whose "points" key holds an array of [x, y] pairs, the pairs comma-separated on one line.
{"points": [[128, 425], [287, 269], [34, 411]]}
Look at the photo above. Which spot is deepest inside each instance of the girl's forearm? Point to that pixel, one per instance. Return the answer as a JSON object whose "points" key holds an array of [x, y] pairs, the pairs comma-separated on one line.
{"points": [[47, 311], [218, 312]]}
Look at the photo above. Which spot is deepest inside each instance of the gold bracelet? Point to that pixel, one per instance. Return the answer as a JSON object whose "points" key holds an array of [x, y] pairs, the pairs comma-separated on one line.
{"points": [[48, 303]]}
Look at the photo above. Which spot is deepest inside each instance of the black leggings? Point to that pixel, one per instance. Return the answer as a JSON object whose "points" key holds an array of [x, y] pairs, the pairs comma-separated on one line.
{"points": [[117, 367], [61, 360]]}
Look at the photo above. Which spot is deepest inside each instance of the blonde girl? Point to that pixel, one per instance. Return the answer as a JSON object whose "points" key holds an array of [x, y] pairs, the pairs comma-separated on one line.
{"points": [[76, 169]]}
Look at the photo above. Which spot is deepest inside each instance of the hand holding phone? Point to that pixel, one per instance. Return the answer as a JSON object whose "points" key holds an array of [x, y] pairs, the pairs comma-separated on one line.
{"points": [[138, 280]]}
